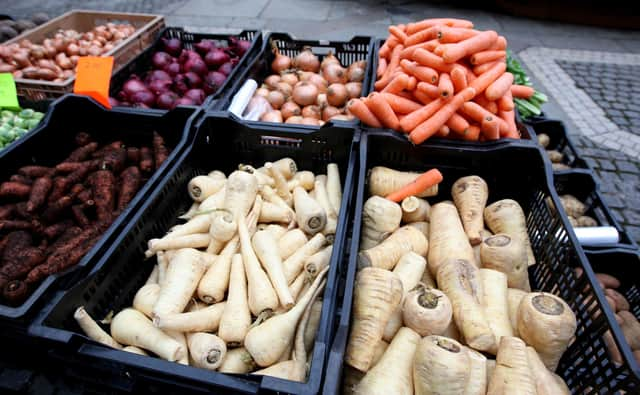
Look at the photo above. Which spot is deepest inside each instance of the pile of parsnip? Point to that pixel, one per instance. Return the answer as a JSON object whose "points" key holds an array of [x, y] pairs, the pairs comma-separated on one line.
{"points": [[461, 321], [236, 288]]}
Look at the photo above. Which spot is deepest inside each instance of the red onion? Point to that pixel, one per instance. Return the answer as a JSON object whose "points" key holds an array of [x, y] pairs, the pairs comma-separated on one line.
{"points": [[158, 75], [144, 97], [140, 105], [172, 46], [213, 81], [198, 66], [160, 86], [193, 79], [197, 95], [216, 58], [132, 86], [188, 54], [122, 96], [180, 84], [161, 60], [239, 46], [204, 46], [173, 69], [226, 68], [113, 102], [167, 100], [185, 101]]}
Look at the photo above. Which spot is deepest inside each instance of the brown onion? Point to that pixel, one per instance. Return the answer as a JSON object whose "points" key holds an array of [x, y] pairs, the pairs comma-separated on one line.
{"points": [[73, 49], [307, 61], [94, 51], [63, 61], [290, 78], [319, 82], [342, 117], [312, 112], [305, 93], [272, 80], [264, 92], [354, 89], [290, 109], [322, 100], [337, 95], [281, 62], [334, 73], [21, 57], [310, 121], [26, 44], [272, 116], [37, 52], [328, 112], [305, 75], [285, 88], [329, 59], [355, 74], [294, 119], [276, 99]]}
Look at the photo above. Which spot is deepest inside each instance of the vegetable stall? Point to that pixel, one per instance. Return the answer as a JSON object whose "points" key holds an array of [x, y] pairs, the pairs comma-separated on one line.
{"points": [[261, 214]]}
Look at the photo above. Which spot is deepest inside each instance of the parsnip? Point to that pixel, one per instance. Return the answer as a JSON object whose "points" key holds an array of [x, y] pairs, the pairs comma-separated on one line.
{"points": [[270, 195], [201, 187], [383, 181], [514, 297], [290, 242], [198, 224], [213, 202], [410, 269], [273, 213], [547, 324], [183, 274], [310, 216], [182, 340], [153, 276], [240, 193], [422, 227], [415, 209], [476, 248], [427, 279], [380, 218], [477, 384], [277, 231], [223, 228], [302, 179], [134, 350], [458, 279], [470, 196], [508, 255], [512, 374], [266, 249], [447, 239], [322, 197], [393, 325], [546, 383], [191, 211], [293, 265], [318, 261], [236, 317], [146, 298], [377, 293], [286, 166], [130, 327], [312, 326], [494, 303], [392, 374], [506, 216], [387, 254], [295, 288], [334, 187], [195, 240], [282, 189], [207, 351], [440, 366], [491, 367], [206, 319], [427, 311], [237, 360], [93, 330], [262, 176]]}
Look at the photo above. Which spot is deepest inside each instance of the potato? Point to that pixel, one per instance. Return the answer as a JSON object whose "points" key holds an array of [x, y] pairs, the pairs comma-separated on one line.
{"points": [[585, 220], [543, 140], [555, 156], [574, 207]]}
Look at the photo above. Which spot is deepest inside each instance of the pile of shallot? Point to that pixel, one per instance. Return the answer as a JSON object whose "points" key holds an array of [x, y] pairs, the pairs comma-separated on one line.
{"points": [[304, 90], [181, 76]]}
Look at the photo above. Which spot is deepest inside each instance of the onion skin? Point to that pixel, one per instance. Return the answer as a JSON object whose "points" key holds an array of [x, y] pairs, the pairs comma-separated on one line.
{"points": [[289, 78], [355, 74], [354, 89], [328, 112], [329, 59], [337, 95], [264, 92], [290, 109], [322, 100], [285, 88], [310, 121], [276, 99], [281, 62], [294, 119], [272, 81], [319, 82], [272, 116], [312, 112], [334, 73], [307, 61], [305, 93]]}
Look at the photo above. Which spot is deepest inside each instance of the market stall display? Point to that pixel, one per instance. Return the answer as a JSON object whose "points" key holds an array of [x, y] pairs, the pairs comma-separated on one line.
{"points": [[10, 28], [530, 104], [552, 136], [15, 124]]}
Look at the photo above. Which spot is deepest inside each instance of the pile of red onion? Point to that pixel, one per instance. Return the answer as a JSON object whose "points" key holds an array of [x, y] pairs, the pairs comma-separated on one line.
{"points": [[181, 76]]}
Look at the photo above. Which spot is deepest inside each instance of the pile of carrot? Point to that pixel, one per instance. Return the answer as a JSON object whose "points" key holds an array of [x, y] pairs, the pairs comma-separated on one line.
{"points": [[440, 77]]}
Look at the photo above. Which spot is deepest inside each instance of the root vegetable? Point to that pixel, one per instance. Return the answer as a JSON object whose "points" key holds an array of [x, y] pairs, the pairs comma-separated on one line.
{"points": [[207, 351], [240, 192], [310, 216], [132, 328], [302, 179], [512, 374], [470, 196], [206, 319], [213, 202], [458, 279], [574, 207], [440, 366], [334, 188], [337, 95], [384, 181], [201, 187], [214, 282], [199, 224], [494, 302], [146, 298], [507, 255], [393, 325], [291, 242], [92, 329], [426, 311], [514, 297], [277, 231], [586, 221], [447, 239], [196, 240], [377, 294], [380, 218], [546, 383], [422, 226], [620, 301], [392, 374], [223, 227], [236, 317], [237, 360], [153, 276], [477, 384], [631, 329], [281, 185], [317, 262], [547, 324], [295, 263], [506, 216], [305, 93], [322, 197], [415, 209], [134, 350], [273, 213], [410, 269], [313, 324], [387, 254], [265, 247]]}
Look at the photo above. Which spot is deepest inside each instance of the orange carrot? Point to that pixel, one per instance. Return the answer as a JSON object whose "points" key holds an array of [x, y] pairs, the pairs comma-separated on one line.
{"points": [[477, 43], [394, 61], [486, 56], [479, 114], [423, 73], [509, 118], [424, 24], [387, 47], [500, 44], [443, 131], [481, 69], [430, 90], [397, 84], [522, 91], [499, 87], [485, 79], [439, 50], [415, 118], [455, 34], [429, 127], [469, 73], [398, 33], [490, 106], [383, 111], [382, 67], [457, 123], [422, 97], [429, 59], [412, 83], [445, 86], [407, 53], [359, 109], [472, 133], [505, 103], [401, 105], [406, 94], [422, 36], [458, 78], [423, 182], [491, 129]]}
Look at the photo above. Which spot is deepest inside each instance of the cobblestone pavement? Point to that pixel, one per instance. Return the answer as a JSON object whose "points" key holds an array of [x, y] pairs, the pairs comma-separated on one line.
{"points": [[591, 74]]}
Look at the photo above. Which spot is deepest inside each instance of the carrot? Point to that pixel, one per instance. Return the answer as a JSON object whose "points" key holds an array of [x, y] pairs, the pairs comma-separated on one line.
{"points": [[458, 78], [387, 47], [445, 86], [479, 114], [397, 84], [443, 131], [426, 23], [505, 103], [421, 36], [383, 111], [420, 184], [454, 34], [394, 61], [469, 46], [488, 77], [472, 133], [480, 69], [490, 106], [499, 87], [509, 118], [490, 128], [382, 67], [358, 108], [499, 45], [420, 97], [432, 60], [430, 90], [457, 124], [486, 56], [429, 127], [407, 53], [398, 33], [423, 73], [416, 117], [522, 91], [400, 105]]}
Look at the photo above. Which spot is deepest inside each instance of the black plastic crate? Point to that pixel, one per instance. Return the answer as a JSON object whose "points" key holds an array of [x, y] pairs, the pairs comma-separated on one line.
{"points": [[358, 48], [221, 143], [141, 64], [558, 140], [52, 141], [583, 186], [519, 173]]}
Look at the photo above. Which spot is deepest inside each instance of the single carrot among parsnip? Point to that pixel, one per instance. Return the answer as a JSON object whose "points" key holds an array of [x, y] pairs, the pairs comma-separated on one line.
{"points": [[457, 123], [469, 46], [499, 87], [415, 118], [425, 181], [447, 34], [430, 90], [482, 57], [383, 111], [426, 58], [458, 78], [397, 84], [400, 105], [491, 128], [445, 86], [522, 91], [358, 108]]}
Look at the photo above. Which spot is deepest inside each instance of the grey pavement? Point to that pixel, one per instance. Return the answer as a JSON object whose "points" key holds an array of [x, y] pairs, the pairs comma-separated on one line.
{"points": [[597, 97]]}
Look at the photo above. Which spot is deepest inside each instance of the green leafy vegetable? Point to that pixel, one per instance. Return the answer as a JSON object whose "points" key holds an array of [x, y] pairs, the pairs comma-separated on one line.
{"points": [[526, 107]]}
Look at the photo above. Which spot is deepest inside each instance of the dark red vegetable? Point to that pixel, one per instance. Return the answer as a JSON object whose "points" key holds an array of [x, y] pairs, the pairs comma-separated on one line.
{"points": [[160, 60], [146, 159], [103, 187], [53, 231], [132, 86], [21, 179], [115, 160], [204, 46], [79, 215], [172, 46], [226, 68], [145, 97], [160, 86], [7, 211], [196, 95], [216, 58], [113, 102], [185, 101], [158, 75], [68, 167], [160, 151], [180, 84], [84, 196], [15, 292], [173, 69], [82, 138], [193, 80], [35, 171], [240, 47], [39, 192], [133, 155], [213, 81], [14, 190], [82, 153], [167, 100], [59, 187], [130, 181], [67, 234], [197, 65], [56, 209], [9, 225]]}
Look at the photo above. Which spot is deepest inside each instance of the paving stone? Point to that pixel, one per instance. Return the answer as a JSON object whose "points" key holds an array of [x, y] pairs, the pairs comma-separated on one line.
{"points": [[230, 8], [314, 10], [626, 166], [613, 200], [634, 232], [606, 164]]}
